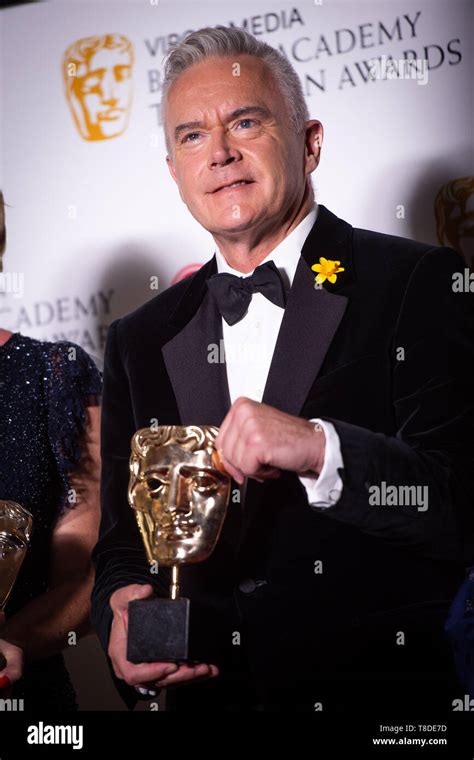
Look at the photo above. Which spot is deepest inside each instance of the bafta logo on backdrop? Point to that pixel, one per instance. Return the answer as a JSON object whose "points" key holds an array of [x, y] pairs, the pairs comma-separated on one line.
{"points": [[454, 210], [97, 75]]}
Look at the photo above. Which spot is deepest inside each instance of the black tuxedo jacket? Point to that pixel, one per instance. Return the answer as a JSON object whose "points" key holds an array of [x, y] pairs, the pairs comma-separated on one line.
{"points": [[387, 355]]}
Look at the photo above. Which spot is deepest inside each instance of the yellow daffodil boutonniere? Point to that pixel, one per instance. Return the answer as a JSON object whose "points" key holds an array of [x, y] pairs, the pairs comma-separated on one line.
{"points": [[327, 270]]}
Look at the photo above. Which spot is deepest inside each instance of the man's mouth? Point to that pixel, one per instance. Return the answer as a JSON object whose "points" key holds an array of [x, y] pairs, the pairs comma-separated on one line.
{"points": [[238, 184]]}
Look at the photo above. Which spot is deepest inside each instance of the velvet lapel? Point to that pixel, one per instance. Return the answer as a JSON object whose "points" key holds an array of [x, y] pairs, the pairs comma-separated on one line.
{"points": [[312, 316], [200, 385]]}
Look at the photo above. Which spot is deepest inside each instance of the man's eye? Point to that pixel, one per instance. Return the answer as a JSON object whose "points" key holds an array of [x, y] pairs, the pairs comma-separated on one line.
{"points": [[185, 138], [243, 121]]}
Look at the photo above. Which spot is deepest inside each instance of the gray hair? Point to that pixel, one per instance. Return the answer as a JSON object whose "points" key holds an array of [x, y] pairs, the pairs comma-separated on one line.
{"points": [[226, 41]]}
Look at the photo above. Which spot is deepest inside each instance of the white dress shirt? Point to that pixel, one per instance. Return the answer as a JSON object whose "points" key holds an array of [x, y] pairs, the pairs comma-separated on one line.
{"points": [[249, 345]]}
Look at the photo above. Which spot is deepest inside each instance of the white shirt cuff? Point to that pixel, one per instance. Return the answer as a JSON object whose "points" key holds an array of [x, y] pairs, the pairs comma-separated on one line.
{"points": [[325, 491]]}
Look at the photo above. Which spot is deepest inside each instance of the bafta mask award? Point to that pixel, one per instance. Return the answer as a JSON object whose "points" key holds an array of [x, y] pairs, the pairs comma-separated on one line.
{"points": [[179, 491], [16, 525]]}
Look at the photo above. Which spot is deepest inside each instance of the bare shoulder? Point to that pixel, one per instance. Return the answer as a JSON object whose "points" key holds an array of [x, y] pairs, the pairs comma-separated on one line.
{"points": [[4, 336]]}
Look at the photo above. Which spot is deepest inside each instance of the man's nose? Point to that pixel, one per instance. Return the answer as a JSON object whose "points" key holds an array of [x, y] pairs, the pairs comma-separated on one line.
{"points": [[221, 149]]}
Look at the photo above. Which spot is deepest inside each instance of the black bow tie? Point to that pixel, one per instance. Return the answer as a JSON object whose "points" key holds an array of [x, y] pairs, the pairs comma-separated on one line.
{"points": [[233, 294]]}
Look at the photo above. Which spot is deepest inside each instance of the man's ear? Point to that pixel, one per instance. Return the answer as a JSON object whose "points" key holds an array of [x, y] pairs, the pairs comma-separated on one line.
{"points": [[171, 168], [174, 175], [313, 142]]}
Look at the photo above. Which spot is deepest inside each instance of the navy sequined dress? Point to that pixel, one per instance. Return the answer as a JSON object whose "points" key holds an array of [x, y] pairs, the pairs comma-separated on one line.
{"points": [[44, 391]]}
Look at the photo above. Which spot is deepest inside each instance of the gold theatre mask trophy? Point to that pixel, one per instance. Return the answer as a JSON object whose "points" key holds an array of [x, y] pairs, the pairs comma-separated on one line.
{"points": [[179, 491], [16, 525]]}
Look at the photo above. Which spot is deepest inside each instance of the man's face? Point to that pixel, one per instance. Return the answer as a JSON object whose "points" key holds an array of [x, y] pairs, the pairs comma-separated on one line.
{"points": [[180, 498], [258, 146]]}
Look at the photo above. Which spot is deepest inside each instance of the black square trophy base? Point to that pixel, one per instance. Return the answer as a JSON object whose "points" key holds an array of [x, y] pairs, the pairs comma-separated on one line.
{"points": [[158, 630]]}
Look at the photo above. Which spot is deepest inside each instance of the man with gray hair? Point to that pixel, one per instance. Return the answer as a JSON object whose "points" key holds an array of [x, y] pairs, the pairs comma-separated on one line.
{"points": [[315, 599]]}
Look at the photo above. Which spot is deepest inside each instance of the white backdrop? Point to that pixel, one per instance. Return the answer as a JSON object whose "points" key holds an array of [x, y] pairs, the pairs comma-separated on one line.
{"points": [[89, 222]]}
